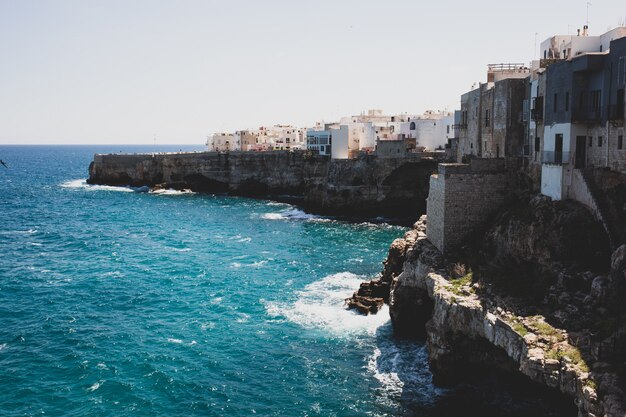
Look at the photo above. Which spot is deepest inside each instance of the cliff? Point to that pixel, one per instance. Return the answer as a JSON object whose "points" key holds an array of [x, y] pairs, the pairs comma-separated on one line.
{"points": [[363, 187], [535, 293]]}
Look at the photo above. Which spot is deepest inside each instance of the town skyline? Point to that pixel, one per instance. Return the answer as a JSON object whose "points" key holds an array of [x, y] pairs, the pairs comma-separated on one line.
{"points": [[86, 73]]}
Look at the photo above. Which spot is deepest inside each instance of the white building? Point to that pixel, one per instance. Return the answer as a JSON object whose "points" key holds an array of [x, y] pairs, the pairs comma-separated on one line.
{"points": [[570, 46], [223, 142], [430, 130]]}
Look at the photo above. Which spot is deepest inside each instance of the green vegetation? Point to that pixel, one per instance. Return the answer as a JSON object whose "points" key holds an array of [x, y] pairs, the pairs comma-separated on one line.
{"points": [[519, 327], [591, 384], [569, 352], [542, 328], [456, 285]]}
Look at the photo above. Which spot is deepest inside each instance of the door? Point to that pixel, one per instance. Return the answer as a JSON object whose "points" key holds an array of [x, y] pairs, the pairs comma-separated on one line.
{"points": [[581, 152], [558, 149]]}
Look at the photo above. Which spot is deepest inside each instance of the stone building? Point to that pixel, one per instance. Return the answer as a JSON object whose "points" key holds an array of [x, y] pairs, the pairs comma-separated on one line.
{"points": [[584, 117], [491, 115]]}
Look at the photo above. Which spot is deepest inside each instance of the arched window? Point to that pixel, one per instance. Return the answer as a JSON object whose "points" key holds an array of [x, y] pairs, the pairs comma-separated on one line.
{"points": [[412, 126]]}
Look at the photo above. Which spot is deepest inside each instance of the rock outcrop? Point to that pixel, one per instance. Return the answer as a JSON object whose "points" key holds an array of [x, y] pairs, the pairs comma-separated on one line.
{"points": [[470, 322], [465, 329], [364, 187]]}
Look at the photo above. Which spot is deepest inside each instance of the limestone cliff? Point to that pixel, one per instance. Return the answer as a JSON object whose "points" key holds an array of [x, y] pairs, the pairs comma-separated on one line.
{"points": [[363, 187], [471, 321]]}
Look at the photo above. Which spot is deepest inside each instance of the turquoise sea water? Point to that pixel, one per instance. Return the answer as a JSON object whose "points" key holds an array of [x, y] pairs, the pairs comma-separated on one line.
{"points": [[114, 302]]}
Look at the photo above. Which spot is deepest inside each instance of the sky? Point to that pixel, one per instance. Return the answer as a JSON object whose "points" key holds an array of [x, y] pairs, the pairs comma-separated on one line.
{"points": [[140, 71]]}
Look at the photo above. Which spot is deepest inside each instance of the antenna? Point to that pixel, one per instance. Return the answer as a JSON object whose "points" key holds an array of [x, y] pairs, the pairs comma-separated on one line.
{"points": [[588, 4]]}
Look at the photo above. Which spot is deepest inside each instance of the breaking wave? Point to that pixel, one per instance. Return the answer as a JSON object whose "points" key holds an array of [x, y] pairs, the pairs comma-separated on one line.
{"points": [[293, 214], [321, 305], [82, 184]]}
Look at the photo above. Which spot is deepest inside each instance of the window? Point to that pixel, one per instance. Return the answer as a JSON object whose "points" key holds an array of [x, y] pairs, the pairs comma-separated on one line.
{"points": [[590, 141], [555, 104], [599, 141], [581, 100], [448, 129], [620, 142], [412, 126], [487, 119], [567, 101], [595, 100], [537, 144]]}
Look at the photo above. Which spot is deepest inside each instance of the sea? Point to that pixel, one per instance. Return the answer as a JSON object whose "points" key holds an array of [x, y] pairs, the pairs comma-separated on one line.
{"points": [[116, 302]]}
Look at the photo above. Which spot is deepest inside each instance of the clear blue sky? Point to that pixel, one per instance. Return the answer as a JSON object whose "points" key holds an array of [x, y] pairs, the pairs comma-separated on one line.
{"points": [[95, 72]]}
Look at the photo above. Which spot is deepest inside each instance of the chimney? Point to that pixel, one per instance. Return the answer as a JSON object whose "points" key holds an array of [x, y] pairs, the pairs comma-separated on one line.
{"points": [[578, 32], [585, 30]]}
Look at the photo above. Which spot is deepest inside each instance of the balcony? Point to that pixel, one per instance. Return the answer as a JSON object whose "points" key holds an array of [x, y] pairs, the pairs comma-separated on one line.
{"points": [[555, 157]]}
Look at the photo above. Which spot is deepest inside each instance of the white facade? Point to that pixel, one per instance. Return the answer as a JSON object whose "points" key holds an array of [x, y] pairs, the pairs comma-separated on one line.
{"points": [[558, 160], [340, 143], [570, 46], [430, 130], [223, 142]]}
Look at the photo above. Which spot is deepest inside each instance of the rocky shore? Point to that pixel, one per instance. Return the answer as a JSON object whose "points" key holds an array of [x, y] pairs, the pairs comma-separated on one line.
{"points": [[365, 187], [474, 312]]}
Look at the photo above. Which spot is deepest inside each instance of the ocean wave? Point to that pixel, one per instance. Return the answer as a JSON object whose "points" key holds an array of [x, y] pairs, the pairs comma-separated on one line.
{"points": [[180, 249], [82, 185], [256, 264], [321, 305], [401, 367], [294, 214], [171, 192], [95, 386]]}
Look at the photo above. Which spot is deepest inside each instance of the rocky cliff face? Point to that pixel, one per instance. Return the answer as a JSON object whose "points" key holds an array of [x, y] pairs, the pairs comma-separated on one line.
{"points": [[364, 187], [567, 334]]}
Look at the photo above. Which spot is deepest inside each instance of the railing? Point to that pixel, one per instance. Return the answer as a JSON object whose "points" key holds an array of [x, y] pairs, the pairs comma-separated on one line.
{"points": [[460, 126], [555, 157], [507, 67]]}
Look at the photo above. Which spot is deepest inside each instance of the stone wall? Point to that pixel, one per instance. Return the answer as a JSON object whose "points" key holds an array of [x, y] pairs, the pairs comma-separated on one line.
{"points": [[461, 198]]}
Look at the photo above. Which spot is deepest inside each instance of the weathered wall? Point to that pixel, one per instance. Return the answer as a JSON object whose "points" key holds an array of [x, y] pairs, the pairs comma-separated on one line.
{"points": [[367, 186], [461, 198]]}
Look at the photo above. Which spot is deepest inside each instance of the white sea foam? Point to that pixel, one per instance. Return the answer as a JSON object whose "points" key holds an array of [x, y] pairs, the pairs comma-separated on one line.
{"points": [[389, 380], [82, 184], [95, 386], [294, 214], [176, 341], [171, 192], [401, 367], [181, 249], [321, 305], [3, 346], [243, 318]]}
